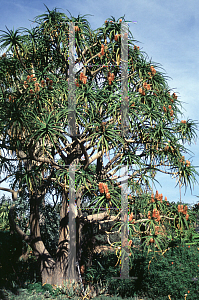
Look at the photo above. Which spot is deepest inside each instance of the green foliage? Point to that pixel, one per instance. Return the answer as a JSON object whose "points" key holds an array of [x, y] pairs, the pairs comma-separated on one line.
{"points": [[13, 270], [50, 228], [160, 276], [4, 210]]}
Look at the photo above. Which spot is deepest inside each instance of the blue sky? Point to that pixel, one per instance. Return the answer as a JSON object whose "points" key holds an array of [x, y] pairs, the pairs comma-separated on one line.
{"points": [[167, 32]]}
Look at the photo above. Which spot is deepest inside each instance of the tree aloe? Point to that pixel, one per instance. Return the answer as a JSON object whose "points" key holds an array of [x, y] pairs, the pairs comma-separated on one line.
{"points": [[37, 149]]}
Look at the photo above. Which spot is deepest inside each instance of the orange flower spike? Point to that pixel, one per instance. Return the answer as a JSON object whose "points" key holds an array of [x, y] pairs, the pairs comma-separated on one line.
{"points": [[136, 47], [165, 198], [144, 84], [131, 217], [102, 51], [158, 218], [171, 113], [156, 195], [81, 76], [101, 187], [108, 196], [105, 188], [187, 217], [130, 242], [84, 80]]}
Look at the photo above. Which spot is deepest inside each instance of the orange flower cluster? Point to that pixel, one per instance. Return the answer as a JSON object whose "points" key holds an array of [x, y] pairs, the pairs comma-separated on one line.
{"points": [[117, 36], [180, 208], [136, 47], [174, 96], [31, 78], [158, 230], [37, 88], [153, 71], [182, 160], [111, 77], [164, 108], [156, 214], [49, 83], [130, 242], [131, 217], [103, 188], [156, 195], [187, 217], [183, 210], [160, 197], [43, 83], [188, 163], [102, 51], [83, 78], [141, 91], [76, 28], [183, 121], [146, 86], [171, 110]]}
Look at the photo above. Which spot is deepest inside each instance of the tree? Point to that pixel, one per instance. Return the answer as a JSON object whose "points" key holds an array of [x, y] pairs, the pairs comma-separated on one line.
{"points": [[35, 116]]}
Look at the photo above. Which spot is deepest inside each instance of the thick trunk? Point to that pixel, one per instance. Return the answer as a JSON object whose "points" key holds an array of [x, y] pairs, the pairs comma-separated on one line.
{"points": [[52, 272]]}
